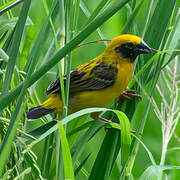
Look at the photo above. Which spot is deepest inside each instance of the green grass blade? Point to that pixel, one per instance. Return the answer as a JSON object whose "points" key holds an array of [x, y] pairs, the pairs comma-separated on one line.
{"points": [[75, 128], [131, 18], [80, 128], [154, 35], [68, 166], [173, 149], [154, 172], [125, 135], [22, 175], [80, 143], [49, 157], [99, 8], [76, 15], [43, 136], [147, 15], [85, 9], [14, 48], [6, 7], [30, 160], [42, 129], [41, 38], [8, 139], [51, 23], [88, 14], [147, 150], [82, 112], [60, 64], [3, 55], [69, 33], [7, 30], [81, 165], [172, 38], [29, 40], [110, 11], [7, 4], [106, 156], [175, 53]]}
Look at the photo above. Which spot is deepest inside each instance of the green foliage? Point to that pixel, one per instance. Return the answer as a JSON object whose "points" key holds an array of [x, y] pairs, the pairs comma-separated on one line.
{"points": [[68, 166], [38, 41]]}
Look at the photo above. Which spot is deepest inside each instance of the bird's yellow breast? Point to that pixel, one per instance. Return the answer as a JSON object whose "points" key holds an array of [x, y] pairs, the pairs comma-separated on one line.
{"points": [[101, 98]]}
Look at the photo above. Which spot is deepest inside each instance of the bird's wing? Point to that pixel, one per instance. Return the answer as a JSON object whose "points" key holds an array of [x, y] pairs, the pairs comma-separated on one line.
{"points": [[100, 76]]}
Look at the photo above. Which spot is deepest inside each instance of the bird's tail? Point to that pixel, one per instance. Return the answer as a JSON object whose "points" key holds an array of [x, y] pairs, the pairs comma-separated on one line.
{"points": [[53, 103], [37, 112]]}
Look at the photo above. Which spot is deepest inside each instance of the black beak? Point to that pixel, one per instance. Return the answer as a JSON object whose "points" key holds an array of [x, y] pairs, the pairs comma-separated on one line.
{"points": [[143, 48]]}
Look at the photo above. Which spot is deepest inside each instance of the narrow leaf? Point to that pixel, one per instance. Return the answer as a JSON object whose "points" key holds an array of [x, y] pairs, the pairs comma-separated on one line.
{"points": [[81, 165], [68, 166], [125, 135], [13, 50], [153, 172]]}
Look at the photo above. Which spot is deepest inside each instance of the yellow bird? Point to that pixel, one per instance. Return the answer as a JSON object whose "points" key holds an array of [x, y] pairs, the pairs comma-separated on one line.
{"points": [[98, 82]]}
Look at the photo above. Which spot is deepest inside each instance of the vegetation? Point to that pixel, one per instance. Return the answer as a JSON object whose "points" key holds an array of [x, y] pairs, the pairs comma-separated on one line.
{"points": [[38, 39]]}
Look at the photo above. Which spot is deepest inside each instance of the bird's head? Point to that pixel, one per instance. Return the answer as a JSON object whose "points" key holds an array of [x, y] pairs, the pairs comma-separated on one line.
{"points": [[128, 46]]}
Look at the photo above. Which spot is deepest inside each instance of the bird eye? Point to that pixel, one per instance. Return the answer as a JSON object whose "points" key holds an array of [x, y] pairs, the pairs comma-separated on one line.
{"points": [[124, 48], [118, 49]]}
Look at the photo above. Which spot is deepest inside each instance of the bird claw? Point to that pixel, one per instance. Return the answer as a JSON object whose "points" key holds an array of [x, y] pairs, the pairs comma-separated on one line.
{"points": [[127, 94]]}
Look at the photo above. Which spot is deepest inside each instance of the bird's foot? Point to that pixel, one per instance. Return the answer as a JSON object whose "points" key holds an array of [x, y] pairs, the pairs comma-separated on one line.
{"points": [[108, 121], [128, 94]]}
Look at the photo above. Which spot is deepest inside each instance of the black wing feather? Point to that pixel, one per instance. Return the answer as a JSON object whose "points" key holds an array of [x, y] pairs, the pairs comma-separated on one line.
{"points": [[103, 76]]}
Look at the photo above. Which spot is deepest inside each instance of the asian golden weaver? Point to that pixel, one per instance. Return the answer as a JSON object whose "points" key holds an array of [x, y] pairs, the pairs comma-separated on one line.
{"points": [[98, 82]]}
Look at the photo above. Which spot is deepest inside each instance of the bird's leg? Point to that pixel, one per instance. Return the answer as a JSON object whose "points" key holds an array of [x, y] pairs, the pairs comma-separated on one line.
{"points": [[127, 94], [108, 121], [105, 120]]}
